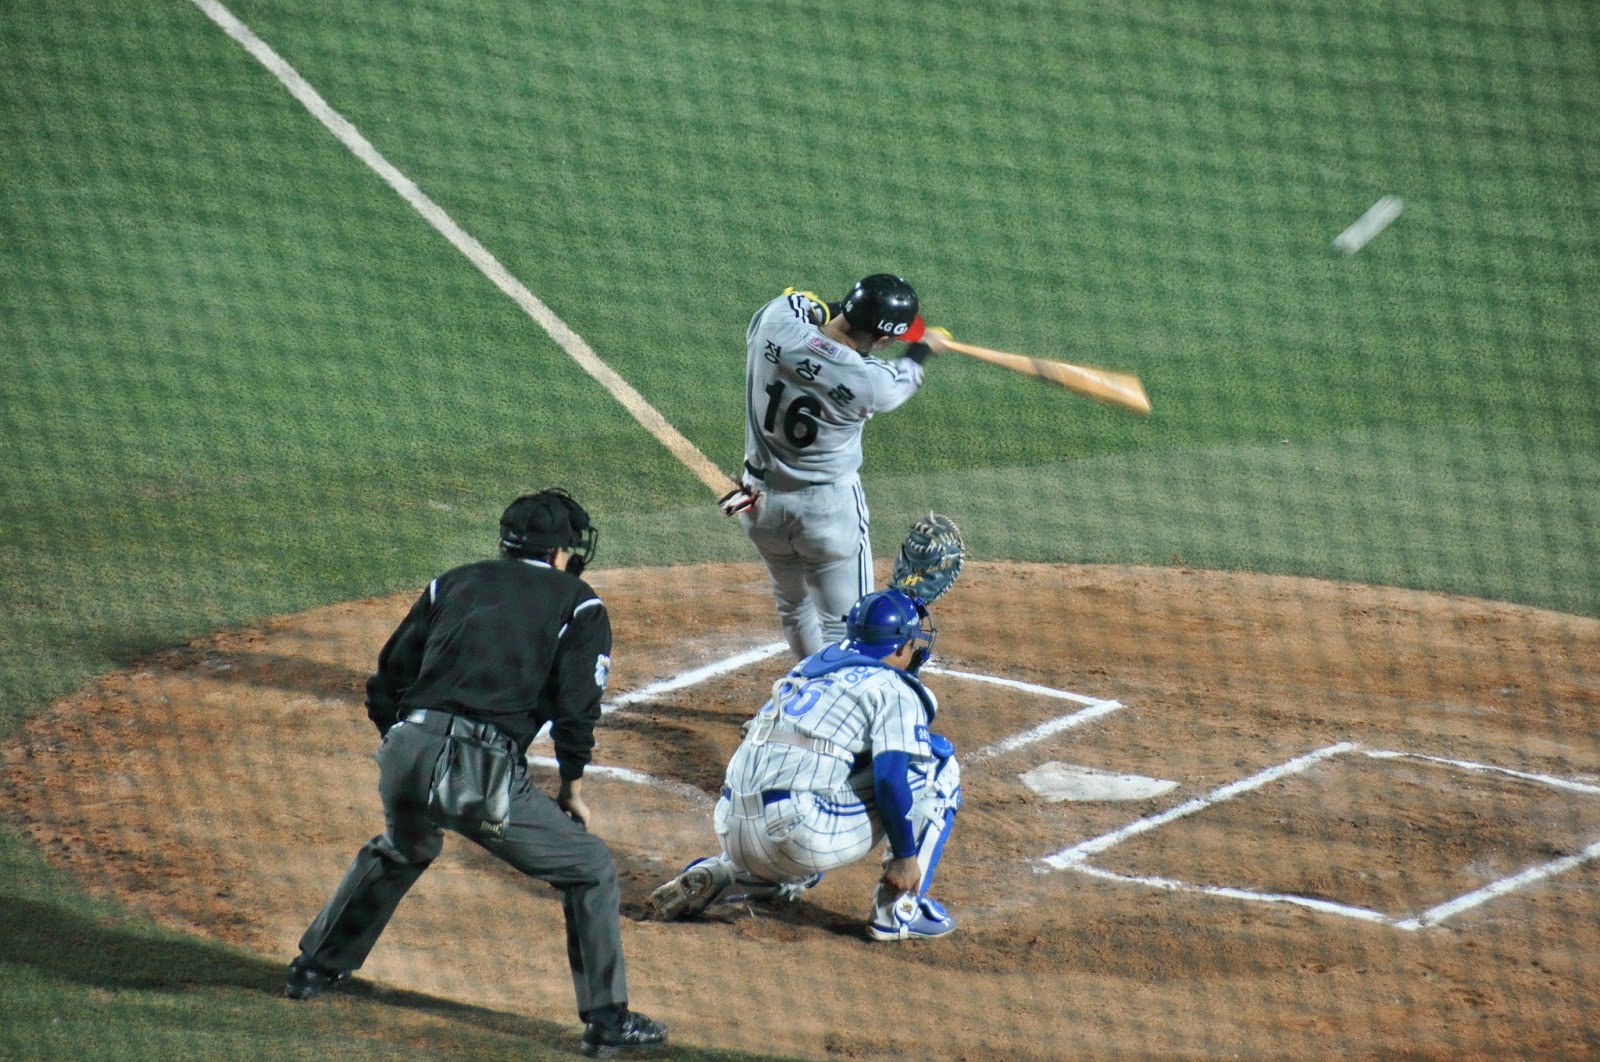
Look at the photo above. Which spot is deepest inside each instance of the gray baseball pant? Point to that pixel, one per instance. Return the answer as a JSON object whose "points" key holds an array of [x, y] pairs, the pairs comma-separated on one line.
{"points": [[818, 552], [538, 839]]}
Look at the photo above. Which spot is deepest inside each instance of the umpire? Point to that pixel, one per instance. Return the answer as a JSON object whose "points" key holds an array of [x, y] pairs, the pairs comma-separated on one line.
{"points": [[490, 653]]}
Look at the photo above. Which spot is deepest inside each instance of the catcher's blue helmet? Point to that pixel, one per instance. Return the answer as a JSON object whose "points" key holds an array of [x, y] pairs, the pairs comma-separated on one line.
{"points": [[884, 620]]}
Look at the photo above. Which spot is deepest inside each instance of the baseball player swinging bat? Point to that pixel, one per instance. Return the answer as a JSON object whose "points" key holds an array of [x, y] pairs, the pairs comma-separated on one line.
{"points": [[1117, 388]]}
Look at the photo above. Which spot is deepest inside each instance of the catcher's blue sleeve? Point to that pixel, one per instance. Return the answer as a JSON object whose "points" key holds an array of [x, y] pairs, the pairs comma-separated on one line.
{"points": [[891, 788]]}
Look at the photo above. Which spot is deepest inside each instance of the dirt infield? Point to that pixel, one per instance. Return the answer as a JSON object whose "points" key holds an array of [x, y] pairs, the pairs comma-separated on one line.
{"points": [[1382, 836]]}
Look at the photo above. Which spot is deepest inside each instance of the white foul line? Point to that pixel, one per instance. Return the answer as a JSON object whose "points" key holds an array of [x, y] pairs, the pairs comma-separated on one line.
{"points": [[575, 346], [1026, 687], [684, 679], [1096, 708]]}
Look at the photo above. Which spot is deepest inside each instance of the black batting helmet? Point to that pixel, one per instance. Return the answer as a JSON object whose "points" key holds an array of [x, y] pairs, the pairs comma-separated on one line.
{"points": [[884, 305], [547, 521]]}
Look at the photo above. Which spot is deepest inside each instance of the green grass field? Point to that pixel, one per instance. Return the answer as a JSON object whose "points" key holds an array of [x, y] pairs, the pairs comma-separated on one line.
{"points": [[239, 376]]}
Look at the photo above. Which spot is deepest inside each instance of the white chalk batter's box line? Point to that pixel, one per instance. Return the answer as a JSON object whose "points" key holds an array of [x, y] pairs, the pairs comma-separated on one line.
{"points": [[1076, 858], [1094, 707]]}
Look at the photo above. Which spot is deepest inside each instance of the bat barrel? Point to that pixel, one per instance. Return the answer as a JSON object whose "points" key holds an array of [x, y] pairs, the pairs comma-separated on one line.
{"points": [[1117, 388]]}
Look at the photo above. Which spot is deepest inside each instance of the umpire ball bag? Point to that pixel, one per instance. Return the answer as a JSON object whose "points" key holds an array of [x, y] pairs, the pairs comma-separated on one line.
{"points": [[471, 788]]}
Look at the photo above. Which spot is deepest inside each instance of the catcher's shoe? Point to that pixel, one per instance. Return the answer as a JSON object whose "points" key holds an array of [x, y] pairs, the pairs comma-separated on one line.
{"points": [[691, 892], [630, 1033], [710, 882], [306, 980], [793, 891], [911, 918]]}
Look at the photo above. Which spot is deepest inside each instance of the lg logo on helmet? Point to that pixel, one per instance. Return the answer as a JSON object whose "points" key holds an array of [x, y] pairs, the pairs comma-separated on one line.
{"points": [[889, 328]]}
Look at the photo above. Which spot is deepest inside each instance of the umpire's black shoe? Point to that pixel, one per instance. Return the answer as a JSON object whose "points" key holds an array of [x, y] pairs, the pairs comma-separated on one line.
{"points": [[632, 1032], [306, 980]]}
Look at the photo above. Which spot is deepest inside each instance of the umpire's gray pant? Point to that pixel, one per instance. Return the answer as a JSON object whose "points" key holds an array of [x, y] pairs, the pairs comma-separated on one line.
{"points": [[538, 839]]}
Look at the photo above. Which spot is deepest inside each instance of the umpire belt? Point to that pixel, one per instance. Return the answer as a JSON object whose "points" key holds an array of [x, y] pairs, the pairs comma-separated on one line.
{"points": [[747, 805], [448, 724]]}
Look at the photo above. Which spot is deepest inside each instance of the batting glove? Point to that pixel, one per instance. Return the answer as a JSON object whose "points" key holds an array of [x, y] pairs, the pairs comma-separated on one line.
{"points": [[738, 501]]}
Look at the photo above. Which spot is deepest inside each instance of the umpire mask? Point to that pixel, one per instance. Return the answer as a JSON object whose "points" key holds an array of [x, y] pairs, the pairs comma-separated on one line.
{"points": [[540, 524]]}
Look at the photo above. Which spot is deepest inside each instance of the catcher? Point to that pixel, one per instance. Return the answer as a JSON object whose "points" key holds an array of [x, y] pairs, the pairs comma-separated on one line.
{"points": [[813, 378], [840, 760]]}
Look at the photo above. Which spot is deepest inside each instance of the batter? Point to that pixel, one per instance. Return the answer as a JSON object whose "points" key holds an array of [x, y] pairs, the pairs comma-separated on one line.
{"points": [[812, 381]]}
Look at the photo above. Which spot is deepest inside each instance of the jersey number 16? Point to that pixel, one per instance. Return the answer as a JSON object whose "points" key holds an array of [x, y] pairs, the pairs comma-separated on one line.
{"points": [[799, 421]]}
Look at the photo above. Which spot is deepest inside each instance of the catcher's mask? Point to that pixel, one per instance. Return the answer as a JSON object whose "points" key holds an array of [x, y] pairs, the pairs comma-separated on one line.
{"points": [[883, 621], [884, 305], [537, 525]]}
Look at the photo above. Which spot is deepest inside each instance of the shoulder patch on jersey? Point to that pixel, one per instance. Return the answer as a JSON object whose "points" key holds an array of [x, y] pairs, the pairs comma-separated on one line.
{"points": [[602, 670], [823, 346]]}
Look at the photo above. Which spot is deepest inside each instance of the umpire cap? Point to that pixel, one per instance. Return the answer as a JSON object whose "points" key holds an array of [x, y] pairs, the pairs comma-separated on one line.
{"points": [[546, 521]]}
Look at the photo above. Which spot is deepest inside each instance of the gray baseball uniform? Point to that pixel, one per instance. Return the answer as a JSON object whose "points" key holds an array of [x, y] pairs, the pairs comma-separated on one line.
{"points": [[807, 401]]}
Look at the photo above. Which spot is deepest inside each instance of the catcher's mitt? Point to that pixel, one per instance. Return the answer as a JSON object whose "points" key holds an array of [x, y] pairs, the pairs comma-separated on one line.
{"points": [[930, 558]]}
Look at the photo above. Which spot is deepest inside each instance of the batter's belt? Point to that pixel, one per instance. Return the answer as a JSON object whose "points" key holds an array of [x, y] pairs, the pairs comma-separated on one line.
{"points": [[780, 482]]}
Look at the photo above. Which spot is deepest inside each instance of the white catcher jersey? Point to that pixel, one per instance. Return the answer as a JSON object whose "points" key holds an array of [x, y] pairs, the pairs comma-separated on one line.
{"points": [[842, 715], [808, 398]]}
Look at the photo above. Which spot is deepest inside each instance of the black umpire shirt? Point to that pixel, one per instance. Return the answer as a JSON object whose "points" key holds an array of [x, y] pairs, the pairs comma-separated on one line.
{"points": [[508, 641]]}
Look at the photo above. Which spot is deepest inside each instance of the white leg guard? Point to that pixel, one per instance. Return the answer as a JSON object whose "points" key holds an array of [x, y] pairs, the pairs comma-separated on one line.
{"points": [[698, 887], [937, 806], [908, 915], [716, 880]]}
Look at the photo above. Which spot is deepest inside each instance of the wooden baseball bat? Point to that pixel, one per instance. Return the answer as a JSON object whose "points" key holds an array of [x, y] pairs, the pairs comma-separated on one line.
{"points": [[1118, 388]]}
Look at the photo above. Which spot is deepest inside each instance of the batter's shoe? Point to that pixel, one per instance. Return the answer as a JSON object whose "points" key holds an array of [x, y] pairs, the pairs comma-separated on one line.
{"points": [[691, 892], [909, 918], [306, 981], [631, 1033]]}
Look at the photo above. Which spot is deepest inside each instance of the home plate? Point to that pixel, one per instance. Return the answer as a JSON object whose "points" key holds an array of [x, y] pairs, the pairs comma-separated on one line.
{"points": [[1063, 781]]}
